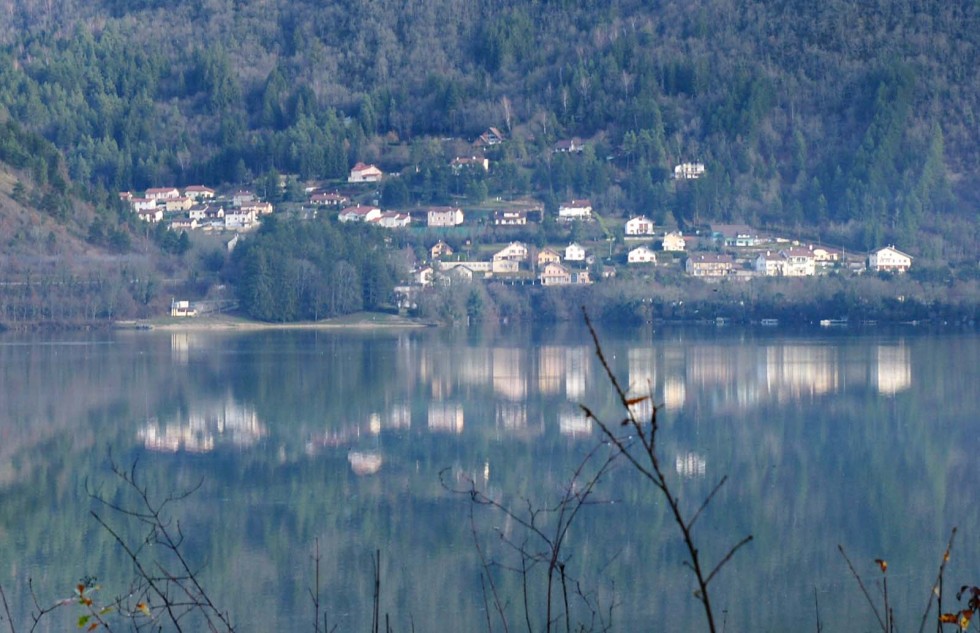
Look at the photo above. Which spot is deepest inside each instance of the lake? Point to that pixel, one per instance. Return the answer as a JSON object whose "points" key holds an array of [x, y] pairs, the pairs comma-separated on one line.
{"points": [[352, 443]]}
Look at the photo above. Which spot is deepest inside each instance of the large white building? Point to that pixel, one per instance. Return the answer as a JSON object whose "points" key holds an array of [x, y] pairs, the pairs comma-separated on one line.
{"points": [[575, 210], [889, 259]]}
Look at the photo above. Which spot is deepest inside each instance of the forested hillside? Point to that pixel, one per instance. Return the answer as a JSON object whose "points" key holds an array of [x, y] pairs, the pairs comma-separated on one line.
{"points": [[854, 118]]}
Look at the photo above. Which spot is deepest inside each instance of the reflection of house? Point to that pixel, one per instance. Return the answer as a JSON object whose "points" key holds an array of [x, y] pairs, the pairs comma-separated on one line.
{"points": [[673, 241], [574, 422], [642, 372], [639, 225], [362, 172], [224, 420], [710, 265], [690, 465], [889, 259], [795, 370], [364, 463], [575, 210], [551, 369], [892, 369], [576, 372], [446, 417], [508, 373], [675, 392], [511, 416], [641, 255]]}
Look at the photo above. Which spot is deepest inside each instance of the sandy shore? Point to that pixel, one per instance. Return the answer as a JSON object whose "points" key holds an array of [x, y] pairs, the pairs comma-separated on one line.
{"points": [[359, 321]]}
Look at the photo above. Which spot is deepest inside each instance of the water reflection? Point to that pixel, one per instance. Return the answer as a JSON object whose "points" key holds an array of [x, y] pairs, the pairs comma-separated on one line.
{"points": [[207, 425], [342, 437], [527, 386]]}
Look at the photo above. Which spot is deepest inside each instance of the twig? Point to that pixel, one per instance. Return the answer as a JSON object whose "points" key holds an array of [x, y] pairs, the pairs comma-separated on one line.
{"points": [[816, 608], [648, 465], [864, 590], [936, 590], [6, 608]]}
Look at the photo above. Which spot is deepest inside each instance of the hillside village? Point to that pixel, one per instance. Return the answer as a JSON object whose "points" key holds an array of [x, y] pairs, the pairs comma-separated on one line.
{"points": [[607, 246]]}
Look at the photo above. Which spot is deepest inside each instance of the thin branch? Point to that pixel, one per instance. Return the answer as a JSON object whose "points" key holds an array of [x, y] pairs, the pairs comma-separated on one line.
{"points": [[864, 590], [6, 609], [707, 500], [936, 590], [727, 557]]}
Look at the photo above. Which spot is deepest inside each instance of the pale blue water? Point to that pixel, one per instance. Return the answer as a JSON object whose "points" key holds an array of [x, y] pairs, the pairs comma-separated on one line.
{"points": [[864, 439]]}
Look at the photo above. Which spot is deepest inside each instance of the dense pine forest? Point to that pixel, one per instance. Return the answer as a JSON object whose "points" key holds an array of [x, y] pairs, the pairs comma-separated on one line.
{"points": [[854, 123]]}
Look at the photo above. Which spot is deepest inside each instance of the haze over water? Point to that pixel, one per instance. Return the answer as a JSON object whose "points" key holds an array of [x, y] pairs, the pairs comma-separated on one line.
{"points": [[866, 439]]}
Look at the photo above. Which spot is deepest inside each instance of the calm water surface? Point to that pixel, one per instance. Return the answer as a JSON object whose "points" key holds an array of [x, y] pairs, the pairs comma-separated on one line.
{"points": [[864, 439]]}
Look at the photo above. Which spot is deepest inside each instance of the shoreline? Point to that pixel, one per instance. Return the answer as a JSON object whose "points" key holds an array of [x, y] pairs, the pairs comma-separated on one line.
{"points": [[360, 321]]}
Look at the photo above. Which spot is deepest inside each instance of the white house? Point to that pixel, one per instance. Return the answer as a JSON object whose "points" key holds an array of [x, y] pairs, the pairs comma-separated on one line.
{"points": [[789, 262], [641, 255], [393, 220], [890, 259], [574, 252], [362, 172], [569, 146], [240, 219], [143, 204], [359, 213], [673, 242], [688, 171], [555, 275], [769, 264], [162, 193], [575, 210], [444, 216], [798, 262], [440, 249], [515, 251], [242, 196], [510, 218], [198, 192], [639, 225], [460, 163], [504, 266], [151, 215]]}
